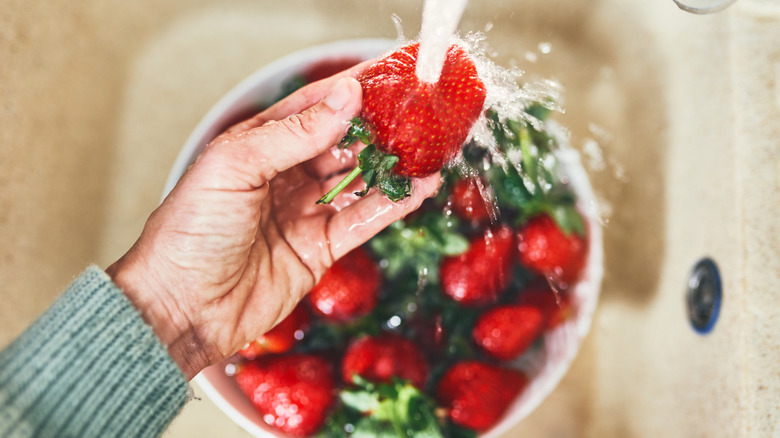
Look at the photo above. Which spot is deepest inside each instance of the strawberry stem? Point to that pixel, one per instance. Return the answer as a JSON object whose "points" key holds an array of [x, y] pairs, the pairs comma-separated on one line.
{"points": [[328, 197], [375, 165]]}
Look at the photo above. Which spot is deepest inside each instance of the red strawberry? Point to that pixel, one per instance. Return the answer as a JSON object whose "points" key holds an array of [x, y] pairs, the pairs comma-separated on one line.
{"points": [[423, 124], [348, 289], [467, 200], [556, 306], [328, 67], [292, 392], [282, 337], [476, 394], [505, 332], [378, 359], [477, 276], [543, 247]]}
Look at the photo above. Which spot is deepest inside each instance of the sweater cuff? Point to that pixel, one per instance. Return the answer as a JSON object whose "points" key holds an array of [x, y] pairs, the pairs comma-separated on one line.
{"points": [[89, 366]]}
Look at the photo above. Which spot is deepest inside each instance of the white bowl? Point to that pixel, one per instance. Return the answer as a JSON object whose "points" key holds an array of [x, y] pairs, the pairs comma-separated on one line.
{"points": [[561, 344]]}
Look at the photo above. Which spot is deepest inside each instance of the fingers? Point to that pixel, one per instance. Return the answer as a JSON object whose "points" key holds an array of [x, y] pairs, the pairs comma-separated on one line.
{"points": [[247, 160], [355, 224], [297, 101]]}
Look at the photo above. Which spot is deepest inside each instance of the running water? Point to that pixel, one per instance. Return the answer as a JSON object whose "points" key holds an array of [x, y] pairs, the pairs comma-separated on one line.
{"points": [[507, 96], [439, 21]]}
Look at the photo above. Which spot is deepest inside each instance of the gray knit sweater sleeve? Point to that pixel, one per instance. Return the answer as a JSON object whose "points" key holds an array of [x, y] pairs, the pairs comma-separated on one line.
{"points": [[89, 367]]}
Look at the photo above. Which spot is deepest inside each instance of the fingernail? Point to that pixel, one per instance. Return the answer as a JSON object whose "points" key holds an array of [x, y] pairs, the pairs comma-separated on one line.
{"points": [[338, 96]]}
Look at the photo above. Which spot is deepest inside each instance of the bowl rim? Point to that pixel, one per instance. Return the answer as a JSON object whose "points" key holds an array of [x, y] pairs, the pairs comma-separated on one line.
{"points": [[566, 338]]}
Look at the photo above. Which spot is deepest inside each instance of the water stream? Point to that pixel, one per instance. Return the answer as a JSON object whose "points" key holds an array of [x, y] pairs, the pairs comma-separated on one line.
{"points": [[439, 21]]}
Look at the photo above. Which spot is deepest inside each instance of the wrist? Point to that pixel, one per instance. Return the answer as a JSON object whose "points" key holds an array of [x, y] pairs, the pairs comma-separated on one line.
{"points": [[148, 295]]}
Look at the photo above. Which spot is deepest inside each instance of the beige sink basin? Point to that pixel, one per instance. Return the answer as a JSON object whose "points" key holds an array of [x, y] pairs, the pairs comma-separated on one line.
{"points": [[679, 113]]}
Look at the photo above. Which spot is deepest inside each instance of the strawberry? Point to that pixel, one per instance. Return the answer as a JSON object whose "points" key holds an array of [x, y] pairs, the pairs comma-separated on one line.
{"points": [[507, 331], [380, 358], [544, 248], [280, 338], [467, 200], [348, 289], [554, 305], [476, 394], [424, 124], [292, 392], [417, 127], [477, 276]]}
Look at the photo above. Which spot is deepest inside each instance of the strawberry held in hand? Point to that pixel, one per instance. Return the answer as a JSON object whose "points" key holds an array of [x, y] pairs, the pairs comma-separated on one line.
{"points": [[424, 124], [416, 127], [292, 392]]}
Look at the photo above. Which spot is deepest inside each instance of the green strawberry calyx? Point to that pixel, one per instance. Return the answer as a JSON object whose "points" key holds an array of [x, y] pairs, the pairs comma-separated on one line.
{"points": [[374, 165], [529, 182], [395, 409], [418, 244]]}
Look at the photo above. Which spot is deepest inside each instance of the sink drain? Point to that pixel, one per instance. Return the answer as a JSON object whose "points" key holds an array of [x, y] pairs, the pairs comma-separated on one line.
{"points": [[704, 296]]}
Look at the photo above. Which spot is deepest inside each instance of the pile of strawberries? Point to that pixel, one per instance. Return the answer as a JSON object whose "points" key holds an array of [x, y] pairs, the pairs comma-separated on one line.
{"points": [[416, 333]]}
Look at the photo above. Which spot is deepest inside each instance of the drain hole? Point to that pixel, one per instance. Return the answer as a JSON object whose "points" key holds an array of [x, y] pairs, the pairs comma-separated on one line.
{"points": [[704, 296]]}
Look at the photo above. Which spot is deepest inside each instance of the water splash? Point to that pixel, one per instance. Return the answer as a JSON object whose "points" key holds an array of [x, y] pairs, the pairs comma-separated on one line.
{"points": [[399, 28], [439, 21]]}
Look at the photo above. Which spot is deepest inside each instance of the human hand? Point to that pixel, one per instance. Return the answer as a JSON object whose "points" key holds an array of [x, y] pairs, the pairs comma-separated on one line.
{"points": [[239, 240]]}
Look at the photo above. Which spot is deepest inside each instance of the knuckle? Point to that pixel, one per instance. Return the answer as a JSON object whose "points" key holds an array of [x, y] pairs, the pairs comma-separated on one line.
{"points": [[300, 125]]}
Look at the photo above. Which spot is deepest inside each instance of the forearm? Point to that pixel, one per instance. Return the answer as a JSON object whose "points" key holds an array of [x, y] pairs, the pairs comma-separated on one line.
{"points": [[89, 366]]}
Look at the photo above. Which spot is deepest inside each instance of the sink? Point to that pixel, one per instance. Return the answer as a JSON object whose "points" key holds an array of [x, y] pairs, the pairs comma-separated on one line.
{"points": [[678, 116]]}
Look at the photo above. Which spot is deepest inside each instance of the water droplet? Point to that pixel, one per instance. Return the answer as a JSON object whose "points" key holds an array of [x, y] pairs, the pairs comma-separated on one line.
{"points": [[545, 48], [394, 321], [594, 155], [399, 28]]}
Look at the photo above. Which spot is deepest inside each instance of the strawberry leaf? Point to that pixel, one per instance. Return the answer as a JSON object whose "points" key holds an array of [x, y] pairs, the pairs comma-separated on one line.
{"points": [[395, 409], [358, 130], [538, 110], [377, 172], [369, 427], [530, 183], [567, 218], [360, 400], [376, 168], [323, 335], [452, 430], [418, 246]]}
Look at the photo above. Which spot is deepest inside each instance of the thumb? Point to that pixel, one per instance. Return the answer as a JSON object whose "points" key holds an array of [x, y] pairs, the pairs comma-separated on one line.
{"points": [[279, 145]]}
